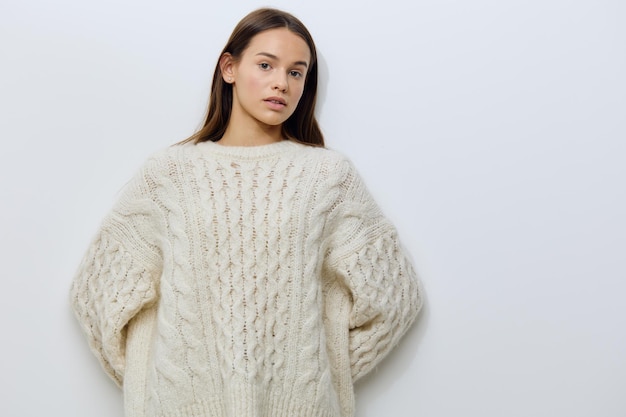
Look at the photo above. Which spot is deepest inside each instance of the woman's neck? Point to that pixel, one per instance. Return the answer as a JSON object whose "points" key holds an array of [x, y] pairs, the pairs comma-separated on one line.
{"points": [[250, 134]]}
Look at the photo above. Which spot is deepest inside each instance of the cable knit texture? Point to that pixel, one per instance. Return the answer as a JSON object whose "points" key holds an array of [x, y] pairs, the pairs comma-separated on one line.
{"points": [[244, 282]]}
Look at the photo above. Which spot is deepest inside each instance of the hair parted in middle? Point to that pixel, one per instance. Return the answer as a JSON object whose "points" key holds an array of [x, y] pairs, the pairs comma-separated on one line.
{"points": [[302, 125]]}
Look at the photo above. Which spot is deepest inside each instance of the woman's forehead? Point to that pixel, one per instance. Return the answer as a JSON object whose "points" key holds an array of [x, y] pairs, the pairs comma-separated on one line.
{"points": [[281, 44]]}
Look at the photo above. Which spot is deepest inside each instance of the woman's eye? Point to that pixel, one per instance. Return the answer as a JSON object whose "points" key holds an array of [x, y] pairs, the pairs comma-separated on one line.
{"points": [[264, 65], [295, 74]]}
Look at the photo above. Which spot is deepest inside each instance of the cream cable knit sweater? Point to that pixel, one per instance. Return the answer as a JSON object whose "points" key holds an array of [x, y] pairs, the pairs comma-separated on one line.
{"points": [[232, 281]]}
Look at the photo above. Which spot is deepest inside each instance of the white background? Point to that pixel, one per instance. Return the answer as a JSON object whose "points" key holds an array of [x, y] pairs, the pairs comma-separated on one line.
{"points": [[492, 133]]}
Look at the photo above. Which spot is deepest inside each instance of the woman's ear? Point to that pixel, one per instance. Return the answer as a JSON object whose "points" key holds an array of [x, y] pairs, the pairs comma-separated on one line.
{"points": [[227, 66]]}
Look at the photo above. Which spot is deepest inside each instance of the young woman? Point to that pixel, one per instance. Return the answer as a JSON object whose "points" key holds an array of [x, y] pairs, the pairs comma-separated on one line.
{"points": [[247, 271]]}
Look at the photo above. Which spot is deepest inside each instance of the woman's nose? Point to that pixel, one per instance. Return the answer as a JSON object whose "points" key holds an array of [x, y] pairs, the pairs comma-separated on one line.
{"points": [[280, 83]]}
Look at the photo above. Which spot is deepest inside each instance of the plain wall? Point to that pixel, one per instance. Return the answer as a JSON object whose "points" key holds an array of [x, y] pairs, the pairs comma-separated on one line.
{"points": [[492, 133]]}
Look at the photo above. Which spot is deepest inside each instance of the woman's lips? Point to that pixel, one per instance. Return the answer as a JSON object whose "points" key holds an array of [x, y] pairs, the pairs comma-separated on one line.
{"points": [[275, 103]]}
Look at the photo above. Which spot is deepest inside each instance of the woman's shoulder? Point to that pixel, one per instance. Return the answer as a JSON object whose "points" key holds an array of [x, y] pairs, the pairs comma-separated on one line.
{"points": [[160, 163], [173, 155], [342, 164], [333, 167], [326, 155]]}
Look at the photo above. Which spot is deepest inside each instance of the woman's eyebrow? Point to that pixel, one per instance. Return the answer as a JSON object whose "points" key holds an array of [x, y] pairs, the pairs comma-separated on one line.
{"points": [[272, 56]]}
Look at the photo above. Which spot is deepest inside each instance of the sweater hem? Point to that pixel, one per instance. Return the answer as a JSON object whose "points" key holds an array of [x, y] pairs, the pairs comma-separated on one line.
{"points": [[246, 402]]}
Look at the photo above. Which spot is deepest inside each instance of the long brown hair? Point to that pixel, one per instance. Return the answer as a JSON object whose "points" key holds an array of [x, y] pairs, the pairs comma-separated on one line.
{"points": [[301, 126]]}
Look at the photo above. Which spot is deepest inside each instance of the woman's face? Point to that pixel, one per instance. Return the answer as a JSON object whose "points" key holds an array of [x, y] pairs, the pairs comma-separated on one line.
{"points": [[268, 79]]}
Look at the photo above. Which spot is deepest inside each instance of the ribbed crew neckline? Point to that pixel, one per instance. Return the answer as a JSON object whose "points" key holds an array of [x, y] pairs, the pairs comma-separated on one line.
{"points": [[248, 152]]}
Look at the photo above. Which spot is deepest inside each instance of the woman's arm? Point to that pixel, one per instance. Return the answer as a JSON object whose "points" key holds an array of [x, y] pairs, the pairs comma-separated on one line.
{"points": [[118, 275], [367, 256]]}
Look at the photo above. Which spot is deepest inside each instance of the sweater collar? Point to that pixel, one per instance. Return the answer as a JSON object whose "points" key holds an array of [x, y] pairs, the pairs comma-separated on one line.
{"points": [[249, 152]]}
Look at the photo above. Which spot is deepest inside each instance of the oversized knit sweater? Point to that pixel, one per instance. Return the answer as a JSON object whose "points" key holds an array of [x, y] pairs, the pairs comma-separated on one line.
{"points": [[244, 282]]}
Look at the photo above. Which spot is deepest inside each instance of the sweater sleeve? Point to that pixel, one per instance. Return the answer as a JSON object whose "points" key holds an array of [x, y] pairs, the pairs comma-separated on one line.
{"points": [[118, 276], [366, 254]]}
